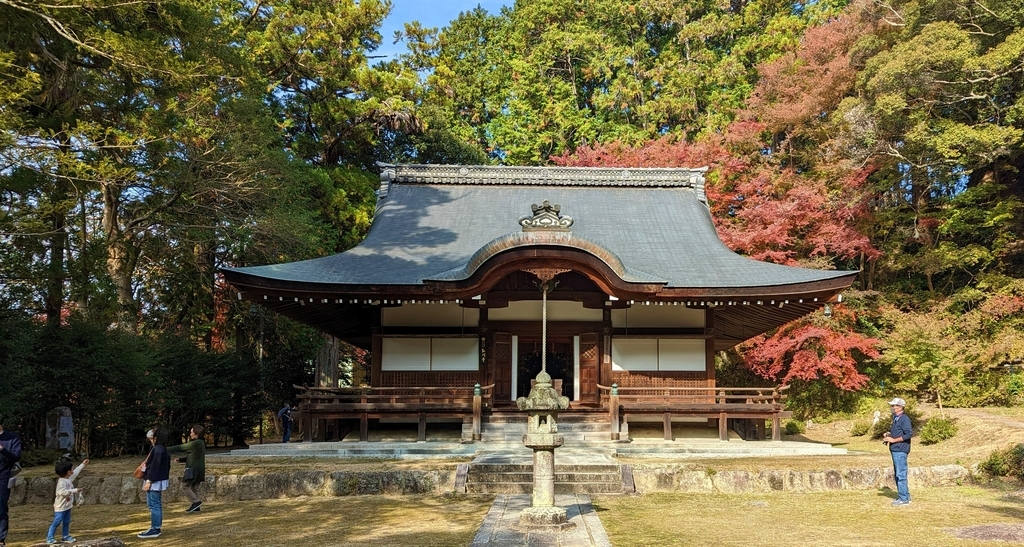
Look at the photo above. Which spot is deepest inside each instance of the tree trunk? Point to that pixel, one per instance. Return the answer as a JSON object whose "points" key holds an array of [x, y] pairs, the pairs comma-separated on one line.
{"points": [[205, 262], [120, 258], [80, 288], [54, 302], [327, 358]]}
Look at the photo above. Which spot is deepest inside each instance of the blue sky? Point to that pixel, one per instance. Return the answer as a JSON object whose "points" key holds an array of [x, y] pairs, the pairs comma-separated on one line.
{"points": [[430, 13]]}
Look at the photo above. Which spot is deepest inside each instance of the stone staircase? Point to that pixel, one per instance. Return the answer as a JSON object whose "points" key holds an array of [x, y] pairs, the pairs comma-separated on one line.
{"points": [[588, 428], [511, 472]]}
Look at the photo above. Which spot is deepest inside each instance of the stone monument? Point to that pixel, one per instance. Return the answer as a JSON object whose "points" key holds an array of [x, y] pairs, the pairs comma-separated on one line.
{"points": [[60, 429]]}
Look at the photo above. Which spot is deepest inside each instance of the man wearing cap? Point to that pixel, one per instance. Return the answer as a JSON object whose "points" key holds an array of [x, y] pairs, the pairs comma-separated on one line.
{"points": [[898, 439]]}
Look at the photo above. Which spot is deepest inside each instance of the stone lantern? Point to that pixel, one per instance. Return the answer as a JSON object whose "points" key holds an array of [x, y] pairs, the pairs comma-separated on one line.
{"points": [[542, 436]]}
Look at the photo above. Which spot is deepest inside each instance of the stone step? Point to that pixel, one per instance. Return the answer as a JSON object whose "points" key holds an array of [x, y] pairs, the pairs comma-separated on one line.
{"points": [[562, 427], [527, 476], [560, 488], [339, 449], [576, 471], [592, 417], [580, 472], [731, 449], [579, 441]]}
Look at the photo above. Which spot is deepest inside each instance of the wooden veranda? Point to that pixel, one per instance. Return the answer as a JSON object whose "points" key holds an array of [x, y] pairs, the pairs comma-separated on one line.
{"points": [[319, 405]]}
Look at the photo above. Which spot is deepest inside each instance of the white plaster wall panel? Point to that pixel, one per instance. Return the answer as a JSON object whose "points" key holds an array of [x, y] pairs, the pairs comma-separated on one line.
{"points": [[681, 354], [635, 354], [430, 315], [405, 354], [454, 354], [640, 315], [531, 310]]}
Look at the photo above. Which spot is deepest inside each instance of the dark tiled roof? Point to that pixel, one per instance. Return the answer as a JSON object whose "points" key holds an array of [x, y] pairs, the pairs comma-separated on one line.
{"points": [[432, 220]]}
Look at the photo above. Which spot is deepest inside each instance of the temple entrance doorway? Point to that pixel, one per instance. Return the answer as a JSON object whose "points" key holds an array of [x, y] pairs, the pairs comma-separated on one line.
{"points": [[561, 363]]}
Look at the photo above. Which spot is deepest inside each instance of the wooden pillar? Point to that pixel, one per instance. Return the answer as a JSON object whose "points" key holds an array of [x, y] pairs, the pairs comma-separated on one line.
{"points": [[760, 429], [709, 353], [421, 434], [668, 426], [613, 413], [478, 405], [364, 427], [723, 427], [776, 427]]}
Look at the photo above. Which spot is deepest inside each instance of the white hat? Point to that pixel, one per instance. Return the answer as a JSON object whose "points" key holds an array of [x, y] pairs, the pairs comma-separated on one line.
{"points": [[897, 402], [150, 434]]}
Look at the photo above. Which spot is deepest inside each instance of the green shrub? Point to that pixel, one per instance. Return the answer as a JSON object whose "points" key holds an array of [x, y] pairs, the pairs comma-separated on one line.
{"points": [[860, 428], [1015, 385], [32, 457], [795, 427], [885, 422], [938, 429], [1005, 462]]}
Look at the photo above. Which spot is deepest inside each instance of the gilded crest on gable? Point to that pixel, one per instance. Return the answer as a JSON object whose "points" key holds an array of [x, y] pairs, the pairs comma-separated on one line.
{"points": [[546, 217]]}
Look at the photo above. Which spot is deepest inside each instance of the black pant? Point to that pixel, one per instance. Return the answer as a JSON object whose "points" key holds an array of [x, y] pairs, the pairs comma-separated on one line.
{"points": [[5, 496]]}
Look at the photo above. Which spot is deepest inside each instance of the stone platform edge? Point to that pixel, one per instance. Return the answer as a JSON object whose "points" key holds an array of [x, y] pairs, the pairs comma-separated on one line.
{"points": [[112, 490]]}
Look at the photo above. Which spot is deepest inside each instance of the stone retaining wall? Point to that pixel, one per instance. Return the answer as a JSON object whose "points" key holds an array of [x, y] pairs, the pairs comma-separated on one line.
{"points": [[128, 489], [648, 478], [662, 478]]}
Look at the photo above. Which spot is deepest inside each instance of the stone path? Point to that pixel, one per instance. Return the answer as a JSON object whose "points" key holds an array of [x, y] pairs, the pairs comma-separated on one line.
{"points": [[501, 525]]}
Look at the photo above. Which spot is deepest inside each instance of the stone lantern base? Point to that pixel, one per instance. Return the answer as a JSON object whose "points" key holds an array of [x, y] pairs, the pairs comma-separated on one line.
{"points": [[544, 516]]}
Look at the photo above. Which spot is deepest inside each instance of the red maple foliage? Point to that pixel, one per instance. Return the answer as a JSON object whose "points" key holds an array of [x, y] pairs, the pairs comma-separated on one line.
{"points": [[782, 217], [764, 212], [766, 209], [805, 350], [796, 88]]}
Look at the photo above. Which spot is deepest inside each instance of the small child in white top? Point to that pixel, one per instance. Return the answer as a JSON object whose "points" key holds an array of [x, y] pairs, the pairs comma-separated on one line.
{"points": [[64, 500]]}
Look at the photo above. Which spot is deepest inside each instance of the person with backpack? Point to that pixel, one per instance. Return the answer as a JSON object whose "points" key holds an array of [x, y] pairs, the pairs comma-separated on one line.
{"points": [[10, 454]]}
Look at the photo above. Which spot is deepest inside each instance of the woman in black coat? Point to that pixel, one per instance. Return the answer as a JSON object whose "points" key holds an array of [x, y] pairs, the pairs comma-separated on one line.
{"points": [[155, 480]]}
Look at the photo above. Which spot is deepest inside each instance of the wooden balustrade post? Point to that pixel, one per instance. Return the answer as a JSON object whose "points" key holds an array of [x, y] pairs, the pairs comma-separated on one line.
{"points": [[306, 410], [478, 405], [613, 410]]}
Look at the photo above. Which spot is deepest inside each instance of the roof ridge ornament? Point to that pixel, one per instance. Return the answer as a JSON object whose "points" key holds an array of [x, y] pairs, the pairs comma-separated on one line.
{"points": [[546, 217]]}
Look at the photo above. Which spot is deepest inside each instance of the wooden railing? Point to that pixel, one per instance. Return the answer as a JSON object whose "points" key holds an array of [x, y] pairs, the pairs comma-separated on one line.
{"points": [[363, 403], [758, 403]]}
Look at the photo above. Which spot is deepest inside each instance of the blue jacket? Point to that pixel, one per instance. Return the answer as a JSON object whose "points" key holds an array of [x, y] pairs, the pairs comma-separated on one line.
{"points": [[10, 454], [900, 428]]}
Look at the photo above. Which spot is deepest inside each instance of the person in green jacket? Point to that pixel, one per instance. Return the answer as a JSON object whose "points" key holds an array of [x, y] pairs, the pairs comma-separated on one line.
{"points": [[195, 466]]}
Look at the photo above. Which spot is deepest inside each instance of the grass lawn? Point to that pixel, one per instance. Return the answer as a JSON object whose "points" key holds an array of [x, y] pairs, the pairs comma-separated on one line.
{"points": [[845, 518], [376, 521], [937, 517]]}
